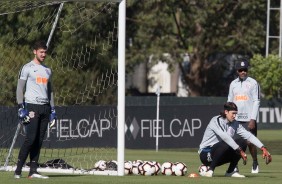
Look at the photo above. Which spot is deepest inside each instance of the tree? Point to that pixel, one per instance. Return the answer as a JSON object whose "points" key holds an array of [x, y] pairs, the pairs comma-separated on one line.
{"points": [[201, 28], [82, 53], [268, 72]]}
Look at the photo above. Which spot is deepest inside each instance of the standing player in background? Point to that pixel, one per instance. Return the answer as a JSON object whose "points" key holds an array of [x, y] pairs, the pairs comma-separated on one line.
{"points": [[244, 91], [36, 108]]}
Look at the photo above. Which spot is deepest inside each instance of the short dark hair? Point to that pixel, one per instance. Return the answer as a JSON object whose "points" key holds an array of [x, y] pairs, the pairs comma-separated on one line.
{"points": [[40, 45], [229, 106]]}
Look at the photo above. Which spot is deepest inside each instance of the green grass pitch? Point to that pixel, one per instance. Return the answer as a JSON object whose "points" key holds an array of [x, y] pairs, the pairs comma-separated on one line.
{"points": [[268, 173]]}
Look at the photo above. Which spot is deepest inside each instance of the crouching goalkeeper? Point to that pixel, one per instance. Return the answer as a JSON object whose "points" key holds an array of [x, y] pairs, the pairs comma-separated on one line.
{"points": [[218, 146], [36, 108]]}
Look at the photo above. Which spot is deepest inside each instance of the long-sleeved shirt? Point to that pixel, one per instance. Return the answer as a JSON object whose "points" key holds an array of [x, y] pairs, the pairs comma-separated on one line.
{"points": [[220, 129], [35, 79], [246, 95]]}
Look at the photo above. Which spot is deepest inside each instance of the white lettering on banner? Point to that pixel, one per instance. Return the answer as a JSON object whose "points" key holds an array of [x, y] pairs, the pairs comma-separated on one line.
{"points": [[83, 128], [179, 132], [278, 115], [94, 129], [146, 128], [163, 128], [63, 129], [72, 135], [269, 115], [107, 126], [176, 128]]}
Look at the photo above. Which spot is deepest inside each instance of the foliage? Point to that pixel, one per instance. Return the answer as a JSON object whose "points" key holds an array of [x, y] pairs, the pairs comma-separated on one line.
{"points": [[268, 72], [201, 28], [82, 53]]}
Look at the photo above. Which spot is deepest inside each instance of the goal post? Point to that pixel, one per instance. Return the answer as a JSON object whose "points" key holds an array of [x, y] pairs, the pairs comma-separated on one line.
{"points": [[121, 86], [89, 82]]}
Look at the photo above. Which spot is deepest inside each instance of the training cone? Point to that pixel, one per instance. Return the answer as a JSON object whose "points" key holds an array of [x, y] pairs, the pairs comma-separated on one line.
{"points": [[193, 175]]}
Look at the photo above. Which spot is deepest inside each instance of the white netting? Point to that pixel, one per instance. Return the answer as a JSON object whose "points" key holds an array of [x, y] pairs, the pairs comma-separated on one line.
{"points": [[82, 54]]}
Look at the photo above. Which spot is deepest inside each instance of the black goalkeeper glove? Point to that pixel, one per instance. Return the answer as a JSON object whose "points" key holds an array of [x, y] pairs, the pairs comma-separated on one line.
{"points": [[23, 114]]}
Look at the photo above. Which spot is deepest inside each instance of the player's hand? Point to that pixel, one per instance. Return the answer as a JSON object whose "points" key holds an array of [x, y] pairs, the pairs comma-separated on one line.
{"points": [[266, 155], [23, 114], [252, 124], [53, 117], [243, 155]]}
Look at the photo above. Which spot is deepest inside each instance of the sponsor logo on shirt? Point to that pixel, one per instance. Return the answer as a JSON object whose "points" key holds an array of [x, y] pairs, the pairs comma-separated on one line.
{"points": [[42, 100], [242, 116], [41, 80], [241, 98]]}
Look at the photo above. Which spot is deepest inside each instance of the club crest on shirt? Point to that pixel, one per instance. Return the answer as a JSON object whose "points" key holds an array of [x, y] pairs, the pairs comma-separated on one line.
{"points": [[47, 71], [231, 131], [31, 114]]}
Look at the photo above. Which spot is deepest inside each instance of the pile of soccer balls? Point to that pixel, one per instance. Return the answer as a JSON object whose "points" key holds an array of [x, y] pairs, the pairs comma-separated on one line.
{"points": [[147, 168], [150, 168]]}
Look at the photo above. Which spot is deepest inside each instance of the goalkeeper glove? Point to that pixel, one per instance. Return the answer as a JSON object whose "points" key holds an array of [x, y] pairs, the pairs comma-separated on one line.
{"points": [[243, 155], [23, 114], [53, 117], [266, 155]]}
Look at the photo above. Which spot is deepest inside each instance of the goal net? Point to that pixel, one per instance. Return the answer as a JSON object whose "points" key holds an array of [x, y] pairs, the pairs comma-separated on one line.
{"points": [[83, 53]]}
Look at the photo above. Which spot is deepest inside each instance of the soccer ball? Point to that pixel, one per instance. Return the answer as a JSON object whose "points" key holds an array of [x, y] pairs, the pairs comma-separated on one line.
{"points": [[179, 169], [166, 168], [111, 165], [127, 167], [203, 169], [100, 165], [147, 169], [157, 167], [135, 168], [138, 162]]}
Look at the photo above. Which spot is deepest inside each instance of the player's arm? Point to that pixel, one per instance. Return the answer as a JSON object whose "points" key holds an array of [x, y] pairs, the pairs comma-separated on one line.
{"points": [[220, 131], [254, 140], [22, 112], [53, 115], [20, 91], [256, 100], [217, 127], [230, 93], [256, 104], [248, 136]]}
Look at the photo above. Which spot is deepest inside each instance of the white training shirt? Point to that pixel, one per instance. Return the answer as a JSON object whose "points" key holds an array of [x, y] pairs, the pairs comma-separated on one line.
{"points": [[246, 95], [37, 77], [219, 129]]}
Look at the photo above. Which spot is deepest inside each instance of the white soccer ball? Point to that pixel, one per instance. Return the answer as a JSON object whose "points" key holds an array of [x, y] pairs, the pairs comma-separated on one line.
{"points": [[127, 167], [111, 165], [138, 162], [100, 165], [157, 167], [166, 168], [147, 169], [203, 169], [179, 169], [135, 168]]}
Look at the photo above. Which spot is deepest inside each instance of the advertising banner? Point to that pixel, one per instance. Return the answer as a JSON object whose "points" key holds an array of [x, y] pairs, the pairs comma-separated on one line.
{"points": [[179, 126]]}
